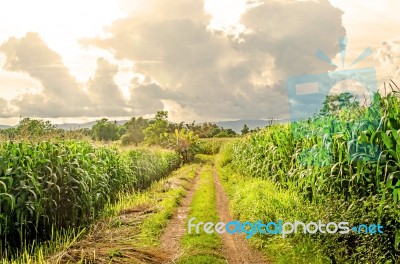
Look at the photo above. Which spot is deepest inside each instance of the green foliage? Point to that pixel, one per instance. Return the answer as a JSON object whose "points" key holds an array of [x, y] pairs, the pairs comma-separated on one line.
{"points": [[245, 129], [154, 133], [222, 134], [166, 194], [261, 199], [203, 247], [54, 185], [334, 103], [359, 190], [105, 130], [134, 131], [209, 130], [185, 142], [211, 146], [34, 129]]}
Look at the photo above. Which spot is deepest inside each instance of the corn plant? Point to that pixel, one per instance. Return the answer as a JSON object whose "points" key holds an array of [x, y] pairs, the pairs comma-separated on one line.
{"points": [[349, 175], [56, 185]]}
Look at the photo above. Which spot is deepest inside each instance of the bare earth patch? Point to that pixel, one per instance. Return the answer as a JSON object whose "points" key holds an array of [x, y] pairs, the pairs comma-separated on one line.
{"points": [[235, 247], [113, 243], [176, 227], [115, 240]]}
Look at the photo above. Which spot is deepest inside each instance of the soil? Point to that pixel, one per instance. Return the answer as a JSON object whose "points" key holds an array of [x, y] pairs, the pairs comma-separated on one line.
{"points": [[107, 243], [176, 227], [235, 247]]}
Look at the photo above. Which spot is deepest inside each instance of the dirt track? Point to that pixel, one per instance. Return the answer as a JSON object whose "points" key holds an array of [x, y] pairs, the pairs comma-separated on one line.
{"points": [[235, 247], [176, 228]]}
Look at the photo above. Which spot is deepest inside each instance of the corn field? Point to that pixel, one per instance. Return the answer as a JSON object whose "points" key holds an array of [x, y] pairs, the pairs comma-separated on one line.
{"points": [[353, 182], [54, 185]]}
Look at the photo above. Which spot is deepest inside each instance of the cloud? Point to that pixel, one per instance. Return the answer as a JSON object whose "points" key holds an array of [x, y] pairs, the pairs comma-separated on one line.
{"points": [[5, 109], [104, 92], [166, 10], [61, 94], [215, 75], [389, 57], [187, 65]]}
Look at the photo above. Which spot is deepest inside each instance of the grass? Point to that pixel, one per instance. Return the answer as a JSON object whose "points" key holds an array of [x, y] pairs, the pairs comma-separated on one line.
{"points": [[346, 162], [165, 197], [50, 186], [202, 247], [261, 199], [135, 218], [60, 240], [211, 146]]}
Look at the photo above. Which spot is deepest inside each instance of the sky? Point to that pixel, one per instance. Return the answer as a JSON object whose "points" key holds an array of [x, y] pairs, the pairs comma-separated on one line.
{"points": [[81, 60]]}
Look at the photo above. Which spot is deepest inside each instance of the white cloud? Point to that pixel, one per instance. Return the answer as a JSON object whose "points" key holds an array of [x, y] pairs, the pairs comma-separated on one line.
{"points": [[188, 66]]}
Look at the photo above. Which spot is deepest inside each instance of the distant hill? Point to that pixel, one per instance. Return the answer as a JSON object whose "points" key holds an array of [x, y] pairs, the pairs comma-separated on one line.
{"points": [[234, 125], [238, 124], [73, 126]]}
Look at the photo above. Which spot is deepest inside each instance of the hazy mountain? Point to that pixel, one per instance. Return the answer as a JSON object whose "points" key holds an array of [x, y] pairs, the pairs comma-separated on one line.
{"points": [[73, 126], [236, 125], [252, 124]]}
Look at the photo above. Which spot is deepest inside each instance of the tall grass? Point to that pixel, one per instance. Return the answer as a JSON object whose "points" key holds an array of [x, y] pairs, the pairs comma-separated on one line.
{"points": [[329, 161], [49, 186]]}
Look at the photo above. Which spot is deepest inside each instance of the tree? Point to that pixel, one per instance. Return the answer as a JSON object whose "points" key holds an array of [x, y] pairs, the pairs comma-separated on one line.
{"points": [[34, 127], [222, 134], [334, 103], [185, 143], [155, 132], [134, 131], [245, 130], [105, 130]]}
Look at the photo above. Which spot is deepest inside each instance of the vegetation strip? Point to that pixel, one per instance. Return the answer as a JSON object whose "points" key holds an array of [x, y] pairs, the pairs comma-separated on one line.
{"points": [[202, 247], [260, 199], [341, 165], [235, 247], [49, 187], [176, 227], [132, 231]]}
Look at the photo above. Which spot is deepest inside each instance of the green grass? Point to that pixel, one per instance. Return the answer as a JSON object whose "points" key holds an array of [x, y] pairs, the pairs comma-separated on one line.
{"points": [[162, 198], [326, 161], [260, 199], [165, 197], [211, 146], [204, 158], [202, 247], [49, 188]]}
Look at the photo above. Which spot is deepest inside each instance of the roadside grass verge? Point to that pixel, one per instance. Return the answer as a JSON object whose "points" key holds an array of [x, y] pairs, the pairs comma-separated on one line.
{"points": [[202, 247], [204, 158], [165, 198], [253, 199], [211, 146], [130, 229]]}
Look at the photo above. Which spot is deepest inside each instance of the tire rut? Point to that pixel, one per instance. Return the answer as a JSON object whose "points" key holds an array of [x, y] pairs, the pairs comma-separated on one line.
{"points": [[235, 247], [176, 227]]}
